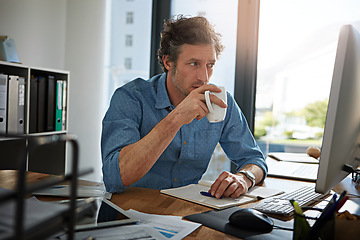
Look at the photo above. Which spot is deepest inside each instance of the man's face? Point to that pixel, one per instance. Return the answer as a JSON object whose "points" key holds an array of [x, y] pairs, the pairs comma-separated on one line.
{"points": [[194, 67]]}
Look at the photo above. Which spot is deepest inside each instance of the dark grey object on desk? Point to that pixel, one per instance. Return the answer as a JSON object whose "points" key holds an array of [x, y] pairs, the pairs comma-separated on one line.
{"points": [[219, 220]]}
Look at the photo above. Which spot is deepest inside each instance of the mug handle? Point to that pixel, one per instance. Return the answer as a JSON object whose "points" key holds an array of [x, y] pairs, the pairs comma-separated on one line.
{"points": [[208, 103]]}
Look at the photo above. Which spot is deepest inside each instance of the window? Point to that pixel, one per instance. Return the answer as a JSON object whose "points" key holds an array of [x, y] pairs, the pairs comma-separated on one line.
{"points": [[224, 18], [129, 17], [296, 53], [128, 63], [202, 13], [128, 40]]}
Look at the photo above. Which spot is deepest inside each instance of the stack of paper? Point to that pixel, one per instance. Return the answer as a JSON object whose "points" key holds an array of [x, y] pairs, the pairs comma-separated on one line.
{"points": [[82, 191], [293, 157], [151, 226]]}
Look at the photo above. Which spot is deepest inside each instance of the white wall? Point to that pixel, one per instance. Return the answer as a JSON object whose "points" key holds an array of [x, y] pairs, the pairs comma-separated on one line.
{"points": [[38, 28], [84, 58], [69, 35]]}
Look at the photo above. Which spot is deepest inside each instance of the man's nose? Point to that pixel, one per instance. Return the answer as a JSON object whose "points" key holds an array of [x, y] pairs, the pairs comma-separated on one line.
{"points": [[204, 74]]}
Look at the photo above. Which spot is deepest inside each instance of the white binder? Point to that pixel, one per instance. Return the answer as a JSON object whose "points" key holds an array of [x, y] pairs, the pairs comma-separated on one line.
{"points": [[21, 106], [3, 102], [64, 106], [13, 98]]}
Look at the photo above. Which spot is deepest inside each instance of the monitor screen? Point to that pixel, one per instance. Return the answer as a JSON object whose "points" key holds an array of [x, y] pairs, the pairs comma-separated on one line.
{"points": [[341, 141]]}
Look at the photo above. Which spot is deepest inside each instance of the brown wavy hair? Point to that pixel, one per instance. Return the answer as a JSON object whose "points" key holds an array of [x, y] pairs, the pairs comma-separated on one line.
{"points": [[186, 30]]}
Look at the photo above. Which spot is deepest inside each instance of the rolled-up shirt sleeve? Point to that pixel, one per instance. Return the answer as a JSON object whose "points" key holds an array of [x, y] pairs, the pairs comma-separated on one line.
{"points": [[120, 127]]}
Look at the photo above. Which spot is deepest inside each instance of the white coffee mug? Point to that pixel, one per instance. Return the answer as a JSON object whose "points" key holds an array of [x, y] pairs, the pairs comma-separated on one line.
{"points": [[216, 113]]}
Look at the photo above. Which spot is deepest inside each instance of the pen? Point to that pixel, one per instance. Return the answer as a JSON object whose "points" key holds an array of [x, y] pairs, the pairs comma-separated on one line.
{"points": [[325, 215], [342, 195], [341, 203], [56, 187], [300, 223], [330, 203], [337, 205], [207, 194]]}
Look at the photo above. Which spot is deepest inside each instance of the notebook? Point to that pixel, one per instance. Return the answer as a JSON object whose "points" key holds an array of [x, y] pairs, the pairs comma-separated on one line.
{"points": [[192, 193]]}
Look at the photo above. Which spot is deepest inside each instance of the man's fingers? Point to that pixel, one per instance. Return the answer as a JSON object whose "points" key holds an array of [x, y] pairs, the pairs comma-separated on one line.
{"points": [[238, 192], [228, 185], [208, 87], [217, 101], [220, 185], [203, 111], [231, 188]]}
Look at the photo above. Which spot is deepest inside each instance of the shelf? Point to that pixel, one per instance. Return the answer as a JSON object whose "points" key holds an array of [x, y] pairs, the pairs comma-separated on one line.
{"points": [[37, 107]]}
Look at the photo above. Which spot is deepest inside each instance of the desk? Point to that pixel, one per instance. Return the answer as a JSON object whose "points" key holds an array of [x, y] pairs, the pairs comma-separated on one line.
{"points": [[153, 202]]}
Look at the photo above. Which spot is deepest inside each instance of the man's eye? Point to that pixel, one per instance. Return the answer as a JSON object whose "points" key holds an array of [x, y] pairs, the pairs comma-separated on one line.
{"points": [[193, 63], [211, 65]]}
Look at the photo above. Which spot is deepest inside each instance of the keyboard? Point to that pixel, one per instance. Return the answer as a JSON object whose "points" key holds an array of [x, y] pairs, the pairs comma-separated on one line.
{"points": [[281, 205]]}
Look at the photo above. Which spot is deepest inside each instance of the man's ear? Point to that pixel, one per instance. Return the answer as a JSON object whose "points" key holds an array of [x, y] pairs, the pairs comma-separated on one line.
{"points": [[167, 63]]}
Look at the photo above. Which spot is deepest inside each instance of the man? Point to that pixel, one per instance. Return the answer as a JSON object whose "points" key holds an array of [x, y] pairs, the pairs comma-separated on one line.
{"points": [[154, 132]]}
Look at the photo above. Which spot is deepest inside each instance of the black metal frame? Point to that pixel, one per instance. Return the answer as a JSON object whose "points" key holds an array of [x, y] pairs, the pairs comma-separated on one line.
{"points": [[246, 58], [22, 190], [160, 12]]}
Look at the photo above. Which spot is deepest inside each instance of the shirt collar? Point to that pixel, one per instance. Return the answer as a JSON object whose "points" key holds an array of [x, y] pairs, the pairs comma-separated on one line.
{"points": [[162, 97]]}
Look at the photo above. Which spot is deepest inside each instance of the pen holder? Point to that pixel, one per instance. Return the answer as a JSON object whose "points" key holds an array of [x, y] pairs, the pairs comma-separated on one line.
{"points": [[302, 230], [333, 229]]}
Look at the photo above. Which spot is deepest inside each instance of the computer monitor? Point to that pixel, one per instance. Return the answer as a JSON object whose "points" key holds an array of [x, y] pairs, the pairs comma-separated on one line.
{"points": [[341, 140]]}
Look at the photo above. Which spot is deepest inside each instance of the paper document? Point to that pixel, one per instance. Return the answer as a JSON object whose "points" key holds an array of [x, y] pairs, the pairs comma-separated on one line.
{"points": [[151, 226], [122, 233], [64, 191], [192, 193], [36, 213], [169, 227], [293, 157], [292, 170], [130, 232]]}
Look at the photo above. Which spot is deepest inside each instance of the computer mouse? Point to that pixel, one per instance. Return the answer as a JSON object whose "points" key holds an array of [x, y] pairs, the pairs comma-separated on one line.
{"points": [[251, 219]]}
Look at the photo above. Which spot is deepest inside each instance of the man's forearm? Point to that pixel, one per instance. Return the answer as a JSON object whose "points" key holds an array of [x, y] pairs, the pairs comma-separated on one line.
{"points": [[136, 160]]}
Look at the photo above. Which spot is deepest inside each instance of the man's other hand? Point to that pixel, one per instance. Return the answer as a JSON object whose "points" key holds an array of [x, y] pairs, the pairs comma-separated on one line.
{"points": [[230, 185]]}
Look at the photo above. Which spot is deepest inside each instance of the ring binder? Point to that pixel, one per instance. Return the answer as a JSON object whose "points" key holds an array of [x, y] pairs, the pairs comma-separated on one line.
{"points": [[13, 104], [3, 102]]}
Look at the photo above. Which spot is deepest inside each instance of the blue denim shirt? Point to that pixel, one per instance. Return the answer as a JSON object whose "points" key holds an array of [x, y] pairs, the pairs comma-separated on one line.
{"points": [[138, 106]]}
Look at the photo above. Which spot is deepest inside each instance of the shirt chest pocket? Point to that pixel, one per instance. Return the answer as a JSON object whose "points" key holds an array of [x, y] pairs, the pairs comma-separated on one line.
{"points": [[206, 141]]}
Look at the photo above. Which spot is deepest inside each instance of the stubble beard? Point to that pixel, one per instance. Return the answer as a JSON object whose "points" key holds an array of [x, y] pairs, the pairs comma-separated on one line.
{"points": [[177, 83]]}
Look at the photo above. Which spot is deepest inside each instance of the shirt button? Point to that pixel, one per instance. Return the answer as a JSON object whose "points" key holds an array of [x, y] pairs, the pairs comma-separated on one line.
{"points": [[185, 143], [180, 162], [175, 180]]}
